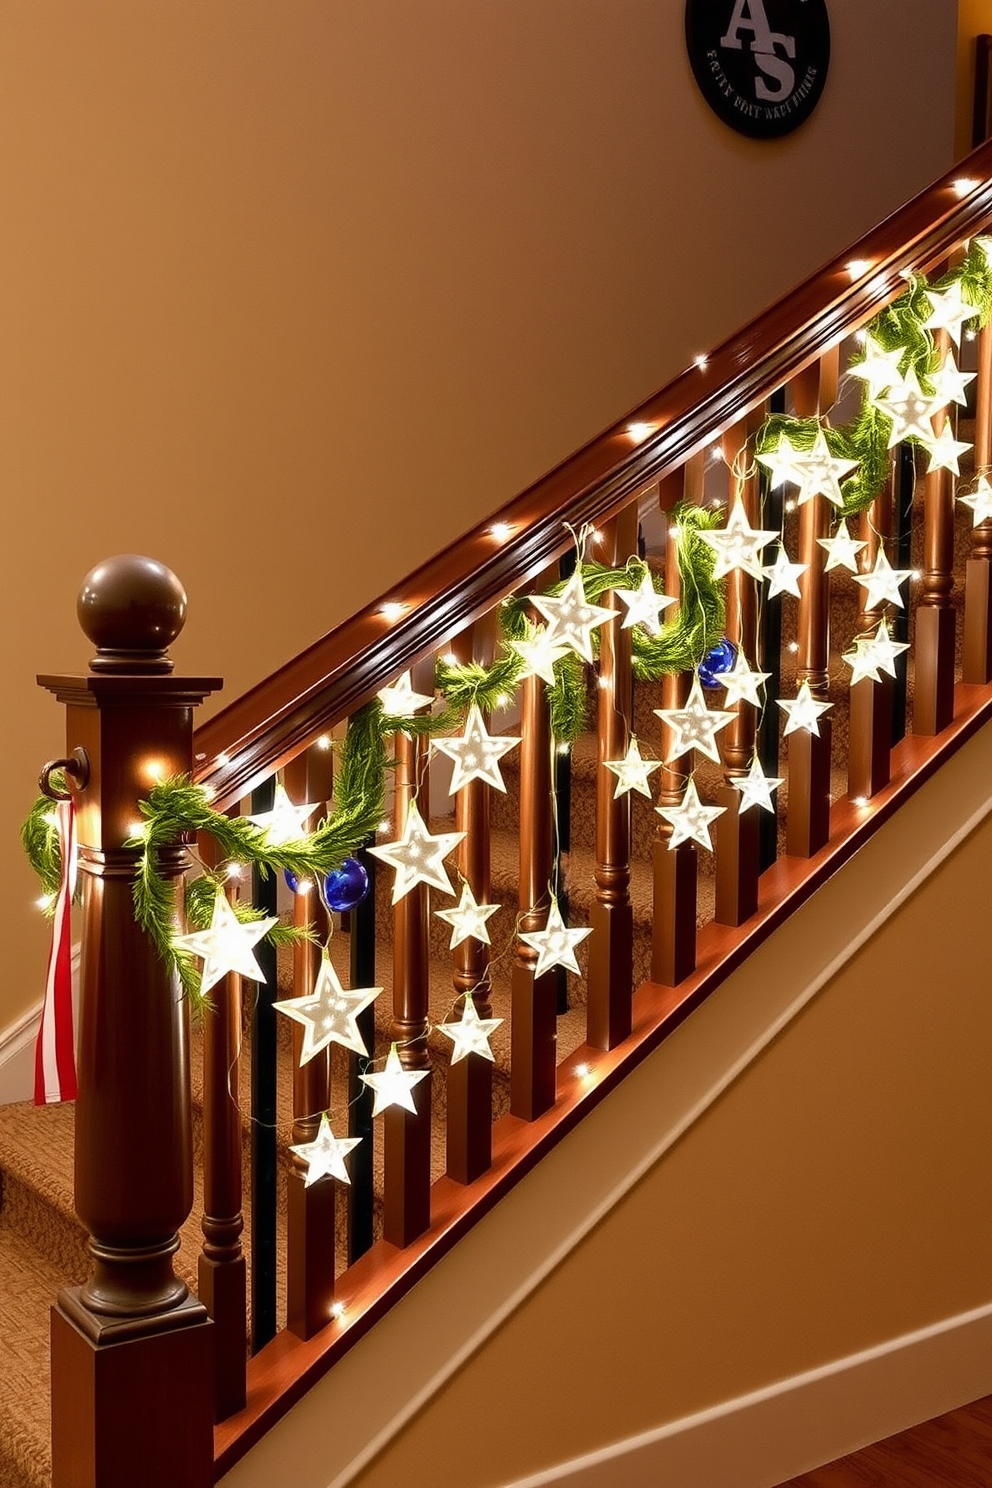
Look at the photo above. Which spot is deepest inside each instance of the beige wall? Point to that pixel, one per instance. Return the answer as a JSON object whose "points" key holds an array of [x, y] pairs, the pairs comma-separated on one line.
{"points": [[834, 1197], [974, 19], [293, 292]]}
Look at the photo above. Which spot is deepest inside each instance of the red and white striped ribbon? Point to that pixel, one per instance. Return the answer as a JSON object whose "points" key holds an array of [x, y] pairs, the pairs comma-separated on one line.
{"points": [[55, 1055]]}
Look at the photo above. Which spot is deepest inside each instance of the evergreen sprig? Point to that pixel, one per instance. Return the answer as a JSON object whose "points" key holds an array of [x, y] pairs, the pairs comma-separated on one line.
{"points": [[40, 840]]}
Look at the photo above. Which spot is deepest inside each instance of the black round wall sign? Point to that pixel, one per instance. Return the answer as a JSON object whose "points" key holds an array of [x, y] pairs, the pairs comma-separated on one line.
{"points": [[760, 64]]}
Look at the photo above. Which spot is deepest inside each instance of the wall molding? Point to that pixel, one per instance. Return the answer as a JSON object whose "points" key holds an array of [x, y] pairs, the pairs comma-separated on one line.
{"points": [[17, 1057]]}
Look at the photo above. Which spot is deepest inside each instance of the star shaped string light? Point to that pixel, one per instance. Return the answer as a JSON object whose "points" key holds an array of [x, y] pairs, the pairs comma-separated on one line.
{"points": [[394, 1086], [330, 1014], [945, 451], [783, 576], [471, 1035], [325, 1156], [738, 545], [780, 462], [950, 311], [555, 944], [881, 583], [400, 701], [539, 654], [950, 384], [756, 787], [632, 771], [644, 605], [476, 754], [571, 617], [467, 919], [842, 549], [285, 822], [227, 944], [690, 820], [819, 473], [417, 856], [741, 683], [980, 501], [910, 410], [803, 711], [872, 654], [878, 367], [695, 726]]}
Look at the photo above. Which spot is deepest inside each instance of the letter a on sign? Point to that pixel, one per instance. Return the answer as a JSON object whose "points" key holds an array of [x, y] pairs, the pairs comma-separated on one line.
{"points": [[760, 64]]}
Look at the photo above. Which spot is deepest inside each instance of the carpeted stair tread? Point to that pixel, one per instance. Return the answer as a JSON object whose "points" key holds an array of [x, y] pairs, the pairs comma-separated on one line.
{"points": [[29, 1284]]}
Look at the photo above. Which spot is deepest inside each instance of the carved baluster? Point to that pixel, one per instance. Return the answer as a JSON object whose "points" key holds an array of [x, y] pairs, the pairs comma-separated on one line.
{"points": [[221, 1268], [611, 945], [808, 818], [310, 1211], [264, 1080], [673, 941], [407, 1135], [978, 584], [738, 834], [361, 1191], [470, 1081], [131, 1348], [869, 754], [769, 658], [936, 620]]}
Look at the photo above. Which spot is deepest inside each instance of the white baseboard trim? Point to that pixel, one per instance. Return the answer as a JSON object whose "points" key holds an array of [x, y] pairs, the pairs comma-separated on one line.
{"points": [[17, 1057], [770, 1435]]}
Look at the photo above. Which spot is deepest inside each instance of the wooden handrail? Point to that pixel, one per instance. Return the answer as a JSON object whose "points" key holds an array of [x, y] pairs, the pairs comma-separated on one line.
{"points": [[268, 725]]}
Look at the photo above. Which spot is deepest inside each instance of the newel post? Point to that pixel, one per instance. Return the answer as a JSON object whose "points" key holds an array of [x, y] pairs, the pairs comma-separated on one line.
{"points": [[132, 1377]]}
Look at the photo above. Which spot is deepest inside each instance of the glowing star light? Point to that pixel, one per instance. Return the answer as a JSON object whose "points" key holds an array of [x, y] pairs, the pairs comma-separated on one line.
{"points": [[980, 501], [881, 583], [741, 683], [945, 451], [570, 616], [803, 711], [950, 384], [325, 1156], [471, 1035], [950, 311], [819, 473], [555, 944], [690, 820], [879, 368], [738, 545], [779, 462], [783, 576], [644, 605], [539, 655], [756, 787], [227, 944], [417, 856], [330, 1014], [842, 549], [467, 919], [872, 654], [632, 771], [285, 822], [909, 409], [695, 726], [476, 754], [394, 1087], [400, 700]]}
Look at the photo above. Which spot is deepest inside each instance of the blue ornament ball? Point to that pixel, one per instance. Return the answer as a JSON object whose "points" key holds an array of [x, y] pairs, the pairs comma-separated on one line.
{"points": [[717, 661], [346, 887]]}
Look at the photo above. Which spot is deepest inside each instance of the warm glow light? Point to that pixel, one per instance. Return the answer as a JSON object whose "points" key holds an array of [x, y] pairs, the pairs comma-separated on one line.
{"points": [[137, 828], [562, 748], [858, 266], [338, 1310], [861, 337], [859, 800], [964, 184], [502, 700], [324, 742], [385, 827], [153, 770], [233, 871], [716, 452], [392, 611], [51, 818], [223, 759], [304, 885], [45, 901], [790, 505], [500, 531], [639, 432], [449, 658], [583, 1071], [700, 362], [793, 646]]}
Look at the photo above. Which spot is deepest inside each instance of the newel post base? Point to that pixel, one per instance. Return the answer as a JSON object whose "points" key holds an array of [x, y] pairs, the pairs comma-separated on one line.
{"points": [[115, 1421]]}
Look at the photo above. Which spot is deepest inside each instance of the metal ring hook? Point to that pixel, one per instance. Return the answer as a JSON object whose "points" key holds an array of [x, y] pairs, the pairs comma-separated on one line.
{"points": [[76, 769]]}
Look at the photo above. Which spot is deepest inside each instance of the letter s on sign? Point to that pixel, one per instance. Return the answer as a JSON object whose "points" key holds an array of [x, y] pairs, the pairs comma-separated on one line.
{"points": [[775, 67]]}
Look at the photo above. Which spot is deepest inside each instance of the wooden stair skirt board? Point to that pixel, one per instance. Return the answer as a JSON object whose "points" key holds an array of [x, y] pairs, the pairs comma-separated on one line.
{"points": [[465, 1298]]}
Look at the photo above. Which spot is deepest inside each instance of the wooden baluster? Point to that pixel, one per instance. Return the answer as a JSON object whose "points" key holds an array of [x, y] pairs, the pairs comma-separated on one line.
{"points": [[978, 583], [264, 1073], [534, 1001], [310, 1211], [738, 834], [673, 939], [361, 1191], [936, 620], [808, 817], [869, 750], [769, 658], [470, 1081], [611, 945], [221, 1267], [407, 1135], [132, 1365]]}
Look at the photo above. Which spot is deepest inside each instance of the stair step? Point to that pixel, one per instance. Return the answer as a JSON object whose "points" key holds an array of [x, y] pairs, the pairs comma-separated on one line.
{"points": [[29, 1284]]}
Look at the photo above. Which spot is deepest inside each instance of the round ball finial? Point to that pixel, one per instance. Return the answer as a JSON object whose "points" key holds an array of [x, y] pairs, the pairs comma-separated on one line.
{"points": [[132, 608]]}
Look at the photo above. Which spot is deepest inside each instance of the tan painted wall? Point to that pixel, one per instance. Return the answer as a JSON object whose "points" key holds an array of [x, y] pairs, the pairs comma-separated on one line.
{"points": [[303, 278], [974, 19], [834, 1197]]}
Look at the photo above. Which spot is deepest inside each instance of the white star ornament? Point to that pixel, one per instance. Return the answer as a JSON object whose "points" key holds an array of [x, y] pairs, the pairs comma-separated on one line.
{"points": [[644, 605], [950, 384], [819, 473], [945, 451], [879, 368], [695, 726], [881, 583], [980, 501], [400, 701], [632, 771], [471, 1035], [842, 549], [910, 410], [803, 711], [330, 1014], [690, 820], [756, 787], [571, 617], [394, 1086], [417, 856], [227, 944], [467, 919], [539, 655], [783, 576], [872, 654], [738, 545], [950, 311], [779, 462], [555, 944], [325, 1156], [285, 822], [741, 683], [476, 754]]}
